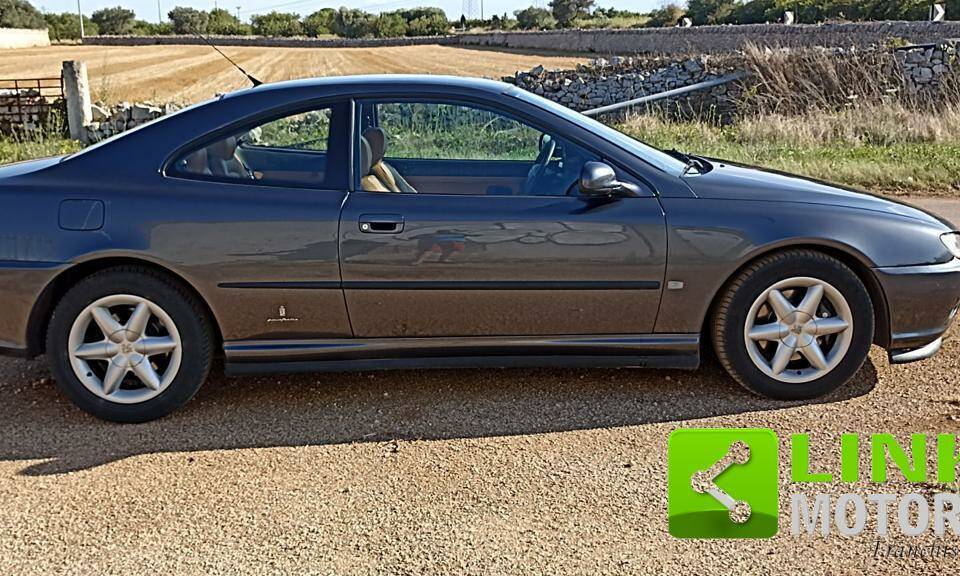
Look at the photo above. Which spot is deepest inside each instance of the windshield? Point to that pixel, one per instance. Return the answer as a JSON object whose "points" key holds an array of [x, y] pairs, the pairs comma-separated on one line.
{"points": [[648, 154]]}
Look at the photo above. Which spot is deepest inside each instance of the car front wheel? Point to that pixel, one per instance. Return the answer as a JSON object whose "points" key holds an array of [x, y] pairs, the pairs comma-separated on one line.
{"points": [[794, 325], [129, 345]]}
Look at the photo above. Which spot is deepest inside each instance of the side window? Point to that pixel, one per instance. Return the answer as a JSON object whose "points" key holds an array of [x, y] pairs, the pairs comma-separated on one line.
{"points": [[305, 131], [304, 149], [455, 132], [453, 148]]}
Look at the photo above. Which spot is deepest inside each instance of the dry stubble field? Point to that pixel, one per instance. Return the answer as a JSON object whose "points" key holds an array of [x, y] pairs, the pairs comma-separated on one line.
{"points": [[193, 73]]}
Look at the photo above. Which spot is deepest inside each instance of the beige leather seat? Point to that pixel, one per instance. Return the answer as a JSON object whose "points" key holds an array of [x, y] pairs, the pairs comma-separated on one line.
{"points": [[223, 160], [369, 181], [386, 174]]}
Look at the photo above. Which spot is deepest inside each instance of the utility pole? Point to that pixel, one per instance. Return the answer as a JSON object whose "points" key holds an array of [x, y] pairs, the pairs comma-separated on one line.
{"points": [[80, 15], [159, 13]]}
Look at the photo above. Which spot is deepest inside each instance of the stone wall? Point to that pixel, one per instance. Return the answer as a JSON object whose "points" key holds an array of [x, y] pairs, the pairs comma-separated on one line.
{"points": [[23, 38], [918, 70], [716, 39], [28, 110], [604, 82], [269, 42], [111, 120]]}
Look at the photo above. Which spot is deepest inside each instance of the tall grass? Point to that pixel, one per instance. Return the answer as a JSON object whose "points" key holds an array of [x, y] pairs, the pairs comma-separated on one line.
{"points": [[883, 147], [801, 81], [19, 148]]}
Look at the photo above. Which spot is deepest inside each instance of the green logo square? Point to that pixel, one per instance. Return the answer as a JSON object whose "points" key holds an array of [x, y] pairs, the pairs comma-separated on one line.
{"points": [[722, 483]]}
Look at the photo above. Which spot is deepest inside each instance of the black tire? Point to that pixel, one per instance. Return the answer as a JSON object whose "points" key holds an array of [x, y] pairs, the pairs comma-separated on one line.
{"points": [[187, 314], [730, 316]]}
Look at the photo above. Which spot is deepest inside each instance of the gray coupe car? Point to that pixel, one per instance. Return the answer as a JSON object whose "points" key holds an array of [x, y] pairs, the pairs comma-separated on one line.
{"points": [[410, 221]]}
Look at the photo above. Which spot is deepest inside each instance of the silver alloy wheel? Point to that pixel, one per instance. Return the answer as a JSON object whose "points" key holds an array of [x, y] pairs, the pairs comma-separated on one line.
{"points": [[124, 349], [798, 330]]}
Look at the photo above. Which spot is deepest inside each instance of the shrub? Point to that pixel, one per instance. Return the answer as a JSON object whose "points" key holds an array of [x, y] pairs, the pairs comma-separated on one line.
{"points": [[533, 18], [277, 24], [115, 21], [20, 14]]}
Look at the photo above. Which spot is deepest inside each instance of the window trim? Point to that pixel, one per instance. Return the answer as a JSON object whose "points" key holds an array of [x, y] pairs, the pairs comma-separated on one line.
{"points": [[457, 99], [167, 169]]}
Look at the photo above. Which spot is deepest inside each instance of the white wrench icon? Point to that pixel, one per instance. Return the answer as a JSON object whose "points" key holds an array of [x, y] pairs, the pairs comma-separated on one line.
{"points": [[704, 481]]}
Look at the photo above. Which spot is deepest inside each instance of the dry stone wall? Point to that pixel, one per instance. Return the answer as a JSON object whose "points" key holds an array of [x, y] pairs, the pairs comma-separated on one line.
{"points": [[920, 69], [717, 39]]}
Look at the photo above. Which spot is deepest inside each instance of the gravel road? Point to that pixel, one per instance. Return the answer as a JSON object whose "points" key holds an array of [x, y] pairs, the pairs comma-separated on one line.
{"points": [[425, 472]]}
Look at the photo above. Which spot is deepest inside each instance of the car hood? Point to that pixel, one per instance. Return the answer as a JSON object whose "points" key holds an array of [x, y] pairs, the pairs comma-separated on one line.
{"points": [[738, 182]]}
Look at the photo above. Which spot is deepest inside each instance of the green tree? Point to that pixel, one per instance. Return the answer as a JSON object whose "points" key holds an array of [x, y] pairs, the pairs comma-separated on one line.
{"points": [[320, 22], [224, 23], [391, 25], [115, 21], [188, 20], [277, 24], [666, 15], [710, 11], [20, 14], [144, 28], [354, 23], [426, 21], [566, 11], [66, 26], [533, 18]]}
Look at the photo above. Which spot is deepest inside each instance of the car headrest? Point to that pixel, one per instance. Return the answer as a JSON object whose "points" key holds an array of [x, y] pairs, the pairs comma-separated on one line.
{"points": [[366, 157], [378, 144], [223, 149], [196, 163]]}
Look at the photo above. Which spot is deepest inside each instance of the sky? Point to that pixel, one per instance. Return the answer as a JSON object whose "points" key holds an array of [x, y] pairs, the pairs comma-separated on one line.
{"points": [[148, 9]]}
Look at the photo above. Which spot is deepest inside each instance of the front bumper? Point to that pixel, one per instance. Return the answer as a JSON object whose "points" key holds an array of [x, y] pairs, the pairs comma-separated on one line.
{"points": [[922, 302]]}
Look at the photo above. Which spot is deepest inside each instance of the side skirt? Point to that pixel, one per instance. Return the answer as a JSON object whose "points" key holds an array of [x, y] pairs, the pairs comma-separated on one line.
{"points": [[650, 350]]}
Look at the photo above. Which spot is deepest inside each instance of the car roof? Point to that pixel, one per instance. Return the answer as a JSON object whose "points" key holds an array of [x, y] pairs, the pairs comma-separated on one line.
{"points": [[381, 80]]}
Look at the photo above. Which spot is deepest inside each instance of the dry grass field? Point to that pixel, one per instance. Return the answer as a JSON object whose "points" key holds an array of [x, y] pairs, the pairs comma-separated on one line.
{"points": [[193, 73]]}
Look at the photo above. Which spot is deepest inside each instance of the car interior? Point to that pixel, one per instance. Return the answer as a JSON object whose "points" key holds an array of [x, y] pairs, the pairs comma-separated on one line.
{"points": [[507, 158]]}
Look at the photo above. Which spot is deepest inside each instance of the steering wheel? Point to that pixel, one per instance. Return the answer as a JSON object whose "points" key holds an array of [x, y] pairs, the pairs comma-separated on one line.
{"points": [[539, 168]]}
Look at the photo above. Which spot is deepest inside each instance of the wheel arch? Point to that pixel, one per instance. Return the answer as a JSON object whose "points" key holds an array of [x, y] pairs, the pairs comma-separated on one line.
{"points": [[43, 308], [856, 262]]}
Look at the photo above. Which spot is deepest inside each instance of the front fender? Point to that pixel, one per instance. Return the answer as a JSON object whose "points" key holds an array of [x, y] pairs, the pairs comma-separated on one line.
{"points": [[710, 240]]}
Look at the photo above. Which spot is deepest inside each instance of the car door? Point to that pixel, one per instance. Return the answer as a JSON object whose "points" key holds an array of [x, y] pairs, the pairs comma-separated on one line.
{"points": [[491, 238], [261, 238]]}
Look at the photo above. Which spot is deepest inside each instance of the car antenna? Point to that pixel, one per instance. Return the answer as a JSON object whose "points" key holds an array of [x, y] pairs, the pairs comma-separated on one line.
{"points": [[249, 76]]}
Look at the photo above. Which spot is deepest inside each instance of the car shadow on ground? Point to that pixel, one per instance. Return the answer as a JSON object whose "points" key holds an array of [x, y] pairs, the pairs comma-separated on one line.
{"points": [[318, 409]]}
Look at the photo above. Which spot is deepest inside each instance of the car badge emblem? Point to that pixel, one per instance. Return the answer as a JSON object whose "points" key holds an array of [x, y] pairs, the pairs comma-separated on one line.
{"points": [[282, 316]]}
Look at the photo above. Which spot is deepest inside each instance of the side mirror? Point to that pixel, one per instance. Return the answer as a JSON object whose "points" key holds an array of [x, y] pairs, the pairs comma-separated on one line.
{"points": [[599, 180]]}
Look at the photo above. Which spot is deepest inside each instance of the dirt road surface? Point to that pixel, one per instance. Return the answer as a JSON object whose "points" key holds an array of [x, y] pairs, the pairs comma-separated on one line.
{"points": [[193, 73], [428, 472]]}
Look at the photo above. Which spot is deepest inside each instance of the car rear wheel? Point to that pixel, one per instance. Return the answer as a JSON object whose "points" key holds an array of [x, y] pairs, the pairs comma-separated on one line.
{"points": [[794, 325], [129, 345]]}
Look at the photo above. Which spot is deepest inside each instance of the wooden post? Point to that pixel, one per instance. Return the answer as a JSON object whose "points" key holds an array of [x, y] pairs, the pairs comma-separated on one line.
{"points": [[77, 92]]}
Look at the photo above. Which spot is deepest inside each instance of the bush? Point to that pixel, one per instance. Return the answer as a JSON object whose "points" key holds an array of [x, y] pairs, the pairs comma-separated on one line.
{"points": [[666, 15], [391, 25], [283, 24], [425, 21], [188, 20], [566, 11], [20, 14], [533, 18], [143, 28], [115, 21], [222, 22], [66, 26], [320, 22], [354, 23]]}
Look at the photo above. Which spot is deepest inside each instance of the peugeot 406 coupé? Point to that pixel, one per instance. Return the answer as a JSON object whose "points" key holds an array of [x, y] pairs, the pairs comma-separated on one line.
{"points": [[403, 221]]}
